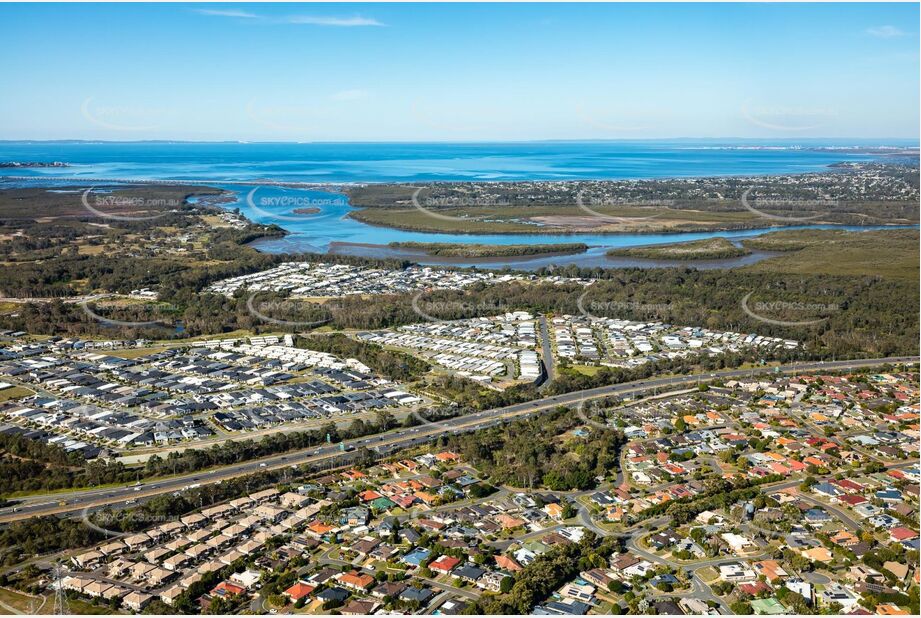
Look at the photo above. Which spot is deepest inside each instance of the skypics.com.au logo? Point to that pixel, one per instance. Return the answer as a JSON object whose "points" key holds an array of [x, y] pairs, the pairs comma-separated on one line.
{"points": [[428, 205], [160, 314], [296, 207], [589, 205], [598, 309], [126, 118], [107, 205], [289, 312], [429, 310], [759, 205], [762, 310]]}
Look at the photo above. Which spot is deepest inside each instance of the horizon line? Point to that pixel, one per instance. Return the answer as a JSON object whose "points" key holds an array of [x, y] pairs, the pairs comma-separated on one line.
{"points": [[917, 141]]}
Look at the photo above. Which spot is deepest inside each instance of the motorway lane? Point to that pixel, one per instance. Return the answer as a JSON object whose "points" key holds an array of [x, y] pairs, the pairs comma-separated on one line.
{"points": [[331, 455]]}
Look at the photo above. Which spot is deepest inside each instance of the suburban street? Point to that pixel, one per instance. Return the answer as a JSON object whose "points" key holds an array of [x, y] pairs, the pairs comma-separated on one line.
{"points": [[547, 352]]}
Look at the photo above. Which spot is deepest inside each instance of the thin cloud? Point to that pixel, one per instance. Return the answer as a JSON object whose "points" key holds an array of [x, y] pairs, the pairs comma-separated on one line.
{"points": [[310, 20], [227, 13], [885, 32], [342, 22]]}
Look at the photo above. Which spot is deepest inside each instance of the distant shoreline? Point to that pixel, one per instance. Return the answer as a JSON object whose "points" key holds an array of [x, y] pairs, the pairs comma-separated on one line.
{"points": [[730, 143]]}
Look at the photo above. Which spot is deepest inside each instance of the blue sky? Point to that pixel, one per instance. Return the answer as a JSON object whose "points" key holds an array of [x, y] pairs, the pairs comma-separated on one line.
{"points": [[370, 72]]}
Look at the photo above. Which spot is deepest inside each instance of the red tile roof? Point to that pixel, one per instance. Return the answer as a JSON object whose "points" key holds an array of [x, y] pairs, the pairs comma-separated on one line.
{"points": [[298, 591], [445, 564]]}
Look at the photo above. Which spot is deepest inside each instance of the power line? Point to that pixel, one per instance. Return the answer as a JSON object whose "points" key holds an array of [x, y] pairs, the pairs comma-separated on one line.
{"points": [[60, 596]]}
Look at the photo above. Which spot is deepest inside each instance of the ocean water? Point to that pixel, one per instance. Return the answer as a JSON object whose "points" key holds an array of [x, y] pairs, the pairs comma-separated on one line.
{"points": [[345, 163], [421, 162]]}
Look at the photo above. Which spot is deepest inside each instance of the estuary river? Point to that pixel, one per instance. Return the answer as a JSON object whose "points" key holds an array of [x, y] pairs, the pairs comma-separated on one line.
{"points": [[233, 165]]}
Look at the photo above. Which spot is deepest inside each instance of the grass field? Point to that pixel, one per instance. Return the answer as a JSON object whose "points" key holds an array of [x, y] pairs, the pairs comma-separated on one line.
{"points": [[136, 352], [81, 607], [91, 249], [588, 370], [560, 219], [11, 600], [234, 334], [15, 392]]}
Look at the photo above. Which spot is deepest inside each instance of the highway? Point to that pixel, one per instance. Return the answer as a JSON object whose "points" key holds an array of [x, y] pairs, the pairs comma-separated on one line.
{"points": [[332, 455]]}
